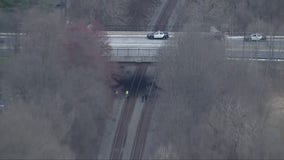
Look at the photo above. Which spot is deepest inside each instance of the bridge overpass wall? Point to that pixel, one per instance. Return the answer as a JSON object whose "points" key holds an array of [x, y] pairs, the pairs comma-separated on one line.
{"points": [[135, 47]]}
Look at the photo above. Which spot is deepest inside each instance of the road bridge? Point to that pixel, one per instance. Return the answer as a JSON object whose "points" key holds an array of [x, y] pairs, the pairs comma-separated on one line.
{"points": [[135, 47]]}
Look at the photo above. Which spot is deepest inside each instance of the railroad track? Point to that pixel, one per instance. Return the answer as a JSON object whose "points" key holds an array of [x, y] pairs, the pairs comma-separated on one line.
{"points": [[142, 130], [143, 125], [123, 123], [163, 19]]}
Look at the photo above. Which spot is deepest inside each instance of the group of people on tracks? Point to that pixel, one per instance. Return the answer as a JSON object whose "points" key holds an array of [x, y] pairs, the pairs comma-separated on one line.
{"points": [[144, 97]]}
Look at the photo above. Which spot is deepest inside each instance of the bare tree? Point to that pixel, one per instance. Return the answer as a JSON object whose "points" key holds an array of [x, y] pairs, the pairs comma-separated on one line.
{"points": [[139, 12], [232, 16], [27, 133], [61, 71], [109, 13], [209, 107]]}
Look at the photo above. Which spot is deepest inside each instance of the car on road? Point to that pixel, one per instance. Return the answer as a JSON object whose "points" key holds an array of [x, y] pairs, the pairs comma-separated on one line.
{"points": [[255, 37], [2, 106], [158, 35]]}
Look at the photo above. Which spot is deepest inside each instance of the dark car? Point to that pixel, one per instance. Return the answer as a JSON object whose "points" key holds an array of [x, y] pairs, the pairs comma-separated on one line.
{"points": [[255, 37], [158, 35]]}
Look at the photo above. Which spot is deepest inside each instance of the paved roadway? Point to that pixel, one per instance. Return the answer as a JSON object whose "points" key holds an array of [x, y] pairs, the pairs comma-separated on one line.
{"points": [[270, 49], [136, 44], [133, 40], [133, 44]]}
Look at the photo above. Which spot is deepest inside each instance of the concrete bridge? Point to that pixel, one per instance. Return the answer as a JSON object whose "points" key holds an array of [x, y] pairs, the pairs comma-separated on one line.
{"points": [[134, 54], [135, 47]]}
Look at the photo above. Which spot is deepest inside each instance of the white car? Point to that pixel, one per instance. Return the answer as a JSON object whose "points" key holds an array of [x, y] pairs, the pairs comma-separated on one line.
{"points": [[255, 37], [2, 106], [158, 35]]}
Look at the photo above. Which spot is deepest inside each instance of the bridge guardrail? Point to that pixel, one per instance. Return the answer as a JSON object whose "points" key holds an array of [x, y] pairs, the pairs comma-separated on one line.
{"points": [[135, 33], [242, 37], [133, 52]]}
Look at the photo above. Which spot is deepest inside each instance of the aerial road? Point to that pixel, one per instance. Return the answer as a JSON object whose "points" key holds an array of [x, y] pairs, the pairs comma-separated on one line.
{"points": [[137, 44], [236, 47]]}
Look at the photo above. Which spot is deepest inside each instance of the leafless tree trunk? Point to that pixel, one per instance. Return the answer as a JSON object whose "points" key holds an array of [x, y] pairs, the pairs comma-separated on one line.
{"points": [[61, 73], [209, 107]]}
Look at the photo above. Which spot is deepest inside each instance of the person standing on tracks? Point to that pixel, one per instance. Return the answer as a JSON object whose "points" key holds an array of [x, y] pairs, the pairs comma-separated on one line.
{"points": [[145, 97], [126, 93]]}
